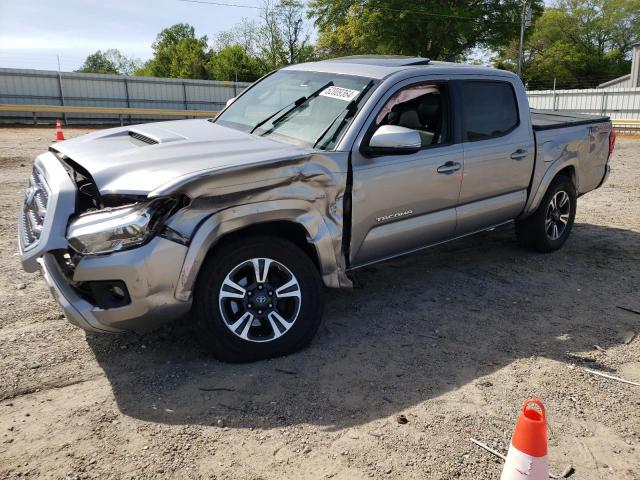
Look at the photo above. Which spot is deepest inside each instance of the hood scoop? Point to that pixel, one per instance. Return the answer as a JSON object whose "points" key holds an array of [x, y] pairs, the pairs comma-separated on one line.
{"points": [[152, 135], [143, 138]]}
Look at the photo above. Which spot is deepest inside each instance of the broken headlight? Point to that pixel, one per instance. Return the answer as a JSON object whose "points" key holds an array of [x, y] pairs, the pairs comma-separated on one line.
{"points": [[114, 229]]}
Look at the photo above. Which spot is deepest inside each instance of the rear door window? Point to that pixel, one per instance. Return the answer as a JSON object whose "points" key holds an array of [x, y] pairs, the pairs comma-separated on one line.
{"points": [[490, 110]]}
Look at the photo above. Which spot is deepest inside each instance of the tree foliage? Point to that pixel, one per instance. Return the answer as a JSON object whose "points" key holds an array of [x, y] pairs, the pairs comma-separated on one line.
{"points": [[580, 43], [246, 52], [178, 53], [109, 61], [437, 29], [279, 37], [232, 62]]}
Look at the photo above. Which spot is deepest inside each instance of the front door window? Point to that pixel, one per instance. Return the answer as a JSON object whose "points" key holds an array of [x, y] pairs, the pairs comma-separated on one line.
{"points": [[420, 107]]}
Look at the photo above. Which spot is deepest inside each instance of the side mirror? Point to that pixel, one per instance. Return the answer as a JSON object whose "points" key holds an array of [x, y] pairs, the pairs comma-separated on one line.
{"points": [[230, 101], [393, 139]]}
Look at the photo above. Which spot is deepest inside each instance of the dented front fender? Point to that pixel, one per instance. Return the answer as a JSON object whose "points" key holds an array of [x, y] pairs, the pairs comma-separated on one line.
{"points": [[307, 190]]}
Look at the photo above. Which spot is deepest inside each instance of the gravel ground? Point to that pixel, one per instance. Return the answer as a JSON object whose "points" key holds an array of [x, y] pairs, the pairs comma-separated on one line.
{"points": [[453, 338]]}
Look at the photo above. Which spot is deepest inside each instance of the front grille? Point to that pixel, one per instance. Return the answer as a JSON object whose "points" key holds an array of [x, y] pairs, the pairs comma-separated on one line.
{"points": [[34, 209]]}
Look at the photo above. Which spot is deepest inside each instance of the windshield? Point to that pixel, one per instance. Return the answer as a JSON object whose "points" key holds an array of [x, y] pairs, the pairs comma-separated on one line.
{"points": [[303, 108]]}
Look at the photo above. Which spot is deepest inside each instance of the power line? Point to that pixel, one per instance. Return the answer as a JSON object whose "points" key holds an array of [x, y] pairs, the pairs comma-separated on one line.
{"points": [[377, 7], [440, 15], [223, 4]]}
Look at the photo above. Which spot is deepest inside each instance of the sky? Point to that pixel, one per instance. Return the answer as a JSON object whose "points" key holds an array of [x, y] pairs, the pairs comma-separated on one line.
{"points": [[34, 32]]}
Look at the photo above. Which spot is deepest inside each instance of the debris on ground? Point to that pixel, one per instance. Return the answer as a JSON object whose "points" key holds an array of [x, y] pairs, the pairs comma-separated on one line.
{"points": [[397, 346], [627, 309], [612, 377], [401, 419]]}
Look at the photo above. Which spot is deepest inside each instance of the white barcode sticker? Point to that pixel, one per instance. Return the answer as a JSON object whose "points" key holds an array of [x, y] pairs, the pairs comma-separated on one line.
{"points": [[340, 93]]}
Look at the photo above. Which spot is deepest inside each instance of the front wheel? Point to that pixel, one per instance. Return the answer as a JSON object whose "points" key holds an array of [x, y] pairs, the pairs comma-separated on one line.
{"points": [[257, 298], [549, 226]]}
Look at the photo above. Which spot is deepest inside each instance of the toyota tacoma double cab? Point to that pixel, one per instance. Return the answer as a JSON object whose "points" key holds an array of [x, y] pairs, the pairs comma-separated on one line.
{"points": [[317, 169]]}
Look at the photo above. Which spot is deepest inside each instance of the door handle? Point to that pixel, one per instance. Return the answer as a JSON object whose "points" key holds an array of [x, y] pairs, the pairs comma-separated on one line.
{"points": [[519, 154], [449, 167]]}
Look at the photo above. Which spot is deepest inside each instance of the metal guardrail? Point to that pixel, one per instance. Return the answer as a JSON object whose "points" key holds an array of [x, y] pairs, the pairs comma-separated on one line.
{"points": [[97, 90], [121, 112], [627, 125], [630, 125]]}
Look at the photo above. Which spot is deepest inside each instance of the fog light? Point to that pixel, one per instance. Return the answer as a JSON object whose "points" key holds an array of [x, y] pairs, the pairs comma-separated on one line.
{"points": [[117, 291], [108, 293]]}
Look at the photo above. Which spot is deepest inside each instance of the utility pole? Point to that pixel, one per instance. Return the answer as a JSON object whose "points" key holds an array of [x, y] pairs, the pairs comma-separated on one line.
{"points": [[525, 21], [61, 90]]}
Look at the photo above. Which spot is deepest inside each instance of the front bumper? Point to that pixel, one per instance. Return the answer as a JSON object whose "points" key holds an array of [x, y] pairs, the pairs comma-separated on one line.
{"points": [[150, 274]]}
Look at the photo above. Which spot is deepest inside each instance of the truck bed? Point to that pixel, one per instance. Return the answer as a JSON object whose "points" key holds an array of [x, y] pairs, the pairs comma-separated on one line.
{"points": [[549, 119]]}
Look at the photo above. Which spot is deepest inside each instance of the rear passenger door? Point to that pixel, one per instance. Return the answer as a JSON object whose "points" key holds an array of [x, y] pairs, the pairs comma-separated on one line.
{"points": [[499, 153]]}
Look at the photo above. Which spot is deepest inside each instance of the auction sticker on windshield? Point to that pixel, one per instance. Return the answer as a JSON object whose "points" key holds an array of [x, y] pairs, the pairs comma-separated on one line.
{"points": [[340, 93]]}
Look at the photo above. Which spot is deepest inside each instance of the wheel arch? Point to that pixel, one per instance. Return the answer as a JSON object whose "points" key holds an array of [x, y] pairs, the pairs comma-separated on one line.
{"points": [[293, 220], [565, 168], [289, 230], [568, 171]]}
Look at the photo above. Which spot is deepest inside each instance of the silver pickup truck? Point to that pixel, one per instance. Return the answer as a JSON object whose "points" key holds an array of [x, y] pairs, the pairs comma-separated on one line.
{"points": [[312, 172]]}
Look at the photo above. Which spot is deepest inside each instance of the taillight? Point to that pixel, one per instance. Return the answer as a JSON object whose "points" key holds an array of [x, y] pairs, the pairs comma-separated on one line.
{"points": [[612, 141]]}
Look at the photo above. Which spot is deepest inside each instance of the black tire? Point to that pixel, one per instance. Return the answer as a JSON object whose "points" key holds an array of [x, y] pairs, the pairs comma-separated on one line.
{"points": [[214, 331], [532, 232]]}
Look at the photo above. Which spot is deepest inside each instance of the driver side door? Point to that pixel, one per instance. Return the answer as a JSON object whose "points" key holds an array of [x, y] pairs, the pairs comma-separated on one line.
{"points": [[403, 201]]}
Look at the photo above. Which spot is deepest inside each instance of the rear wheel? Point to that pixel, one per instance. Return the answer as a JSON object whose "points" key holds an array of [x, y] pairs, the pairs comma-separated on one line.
{"points": [[256, 299], [550, 225]]}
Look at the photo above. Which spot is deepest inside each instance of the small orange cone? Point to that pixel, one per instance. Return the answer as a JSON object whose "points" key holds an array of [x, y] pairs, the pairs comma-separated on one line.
{"points": [[59, 134], [527, 456]]}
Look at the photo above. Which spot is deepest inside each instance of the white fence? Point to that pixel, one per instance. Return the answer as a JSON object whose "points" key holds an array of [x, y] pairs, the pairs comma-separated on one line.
{"points": [[620, 103]]}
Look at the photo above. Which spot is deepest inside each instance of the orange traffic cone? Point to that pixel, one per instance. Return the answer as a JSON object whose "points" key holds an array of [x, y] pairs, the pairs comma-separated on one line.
{"points": [[527, 455], [59, 134]]}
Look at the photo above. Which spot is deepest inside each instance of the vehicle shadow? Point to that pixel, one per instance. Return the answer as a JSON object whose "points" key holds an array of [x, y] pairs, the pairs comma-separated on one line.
{"points": [[414, 328]]}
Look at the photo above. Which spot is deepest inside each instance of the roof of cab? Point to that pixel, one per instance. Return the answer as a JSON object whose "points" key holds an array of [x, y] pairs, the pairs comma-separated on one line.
{"points": [[383, 60], [382, 66]]}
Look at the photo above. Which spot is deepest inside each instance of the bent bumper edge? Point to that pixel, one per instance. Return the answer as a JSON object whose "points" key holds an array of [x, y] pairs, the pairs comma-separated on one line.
{"points": [[77, 310], [150, 273]]}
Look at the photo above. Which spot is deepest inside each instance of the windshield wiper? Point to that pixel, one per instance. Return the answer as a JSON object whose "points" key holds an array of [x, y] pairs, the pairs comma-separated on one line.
{"points": [[350, 109], [297, 104], [262, 122]]}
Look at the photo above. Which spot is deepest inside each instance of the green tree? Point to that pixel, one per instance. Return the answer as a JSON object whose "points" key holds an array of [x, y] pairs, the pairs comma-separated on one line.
{"points": [[279, 37], [437, 29], [295, 36], [579, 43], [178, 53], [109, 61], [232, 62]]}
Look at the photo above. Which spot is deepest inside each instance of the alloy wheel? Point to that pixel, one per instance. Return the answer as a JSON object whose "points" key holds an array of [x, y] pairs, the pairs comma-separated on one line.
{"points": [[260, 300], [558, 213]]}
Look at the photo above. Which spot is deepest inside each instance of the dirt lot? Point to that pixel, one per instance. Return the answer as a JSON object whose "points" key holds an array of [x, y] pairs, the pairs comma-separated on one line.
{"points": [[454, 338]]}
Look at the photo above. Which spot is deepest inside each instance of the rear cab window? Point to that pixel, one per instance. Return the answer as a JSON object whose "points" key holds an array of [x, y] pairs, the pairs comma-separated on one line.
{"points": [[490, 109]]}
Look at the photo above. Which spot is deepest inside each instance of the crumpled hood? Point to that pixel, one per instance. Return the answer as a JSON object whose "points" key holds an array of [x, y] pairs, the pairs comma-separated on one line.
{"points": [[138, 159]]}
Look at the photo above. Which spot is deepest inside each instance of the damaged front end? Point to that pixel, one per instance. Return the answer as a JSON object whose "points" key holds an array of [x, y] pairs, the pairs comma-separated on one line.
{"points": [[121, 220]]}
